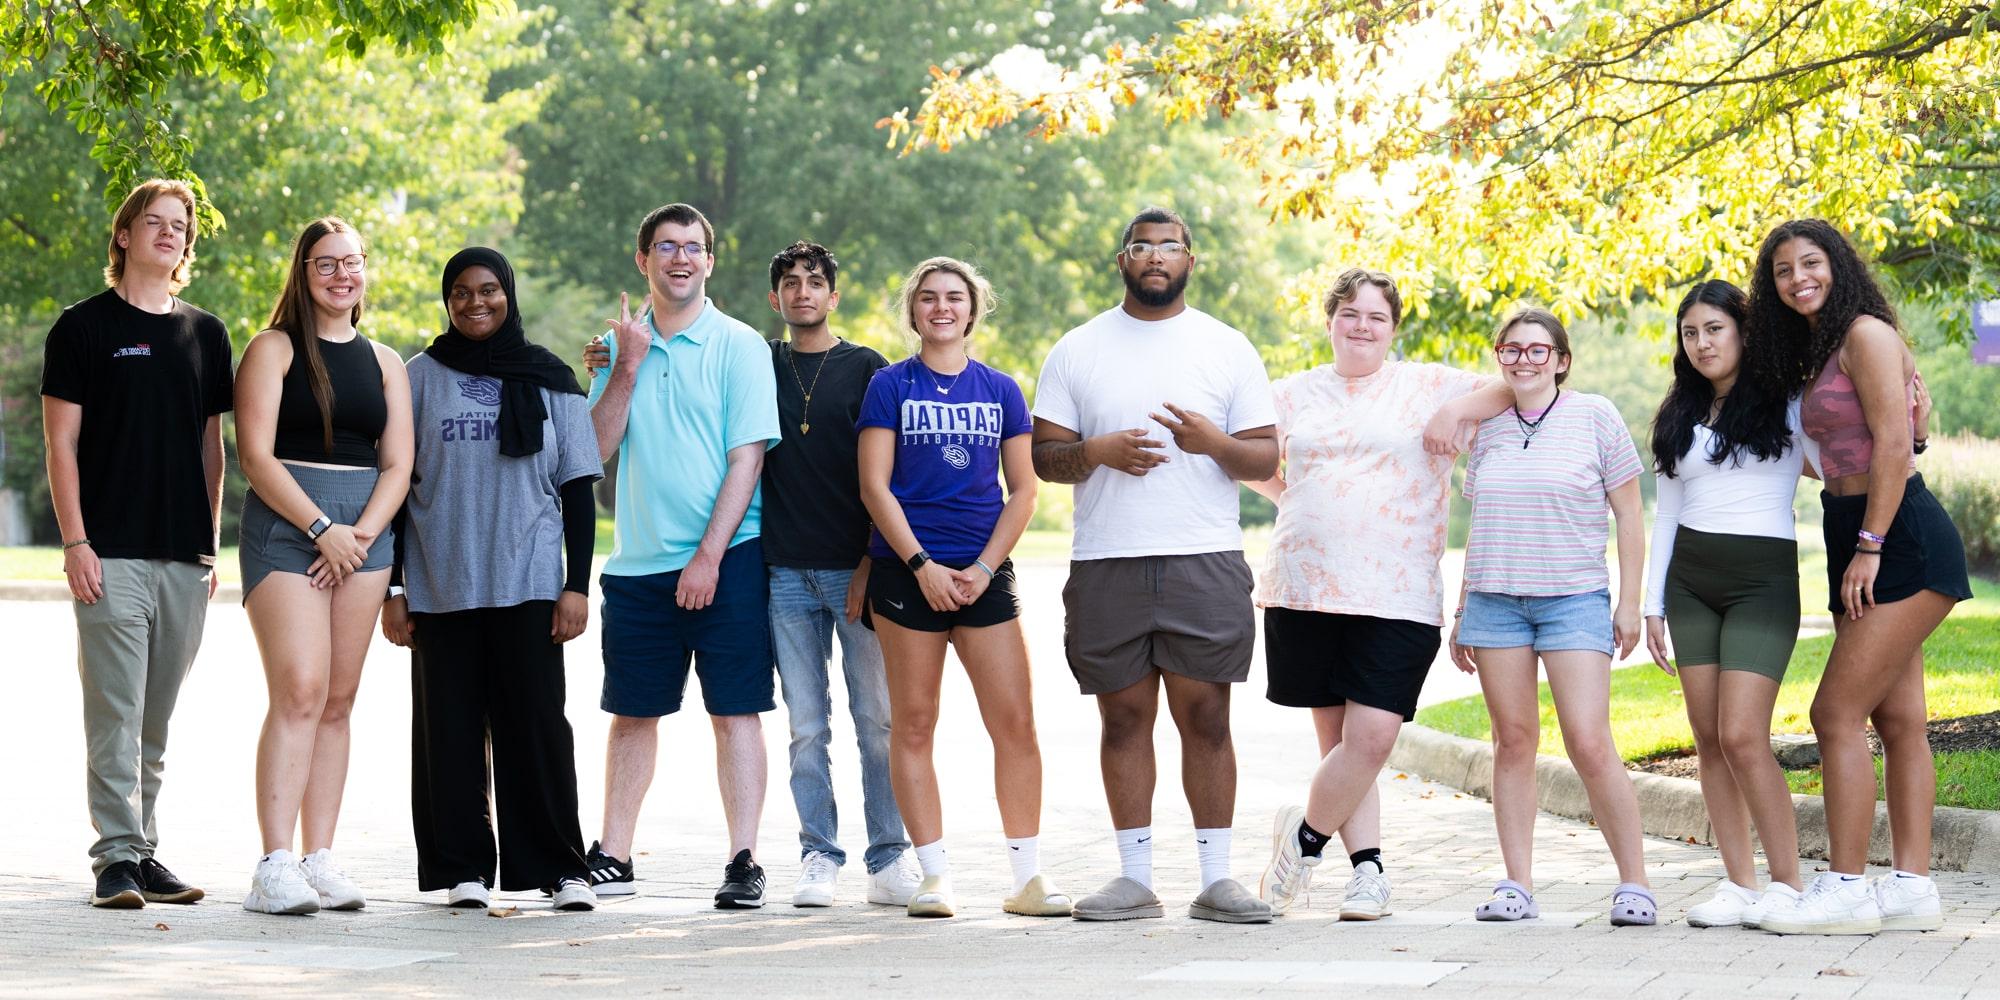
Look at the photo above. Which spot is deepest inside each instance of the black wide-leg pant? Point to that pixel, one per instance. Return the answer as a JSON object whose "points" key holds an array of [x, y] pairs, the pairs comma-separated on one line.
{"points": [[487, 685]]}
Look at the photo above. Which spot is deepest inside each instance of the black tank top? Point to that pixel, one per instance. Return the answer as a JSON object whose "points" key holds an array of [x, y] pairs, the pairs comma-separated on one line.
{"points": [[359, 409]]}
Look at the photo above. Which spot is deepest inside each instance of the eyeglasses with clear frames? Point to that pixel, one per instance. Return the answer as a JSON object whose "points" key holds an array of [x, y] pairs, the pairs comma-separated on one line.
{"points": [[1164, 251], [668, 248], [327, 266], [1537, 354]]}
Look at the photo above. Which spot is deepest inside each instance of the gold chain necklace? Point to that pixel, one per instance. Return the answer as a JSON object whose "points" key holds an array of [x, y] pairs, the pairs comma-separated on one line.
{"points": [[791, 361]]}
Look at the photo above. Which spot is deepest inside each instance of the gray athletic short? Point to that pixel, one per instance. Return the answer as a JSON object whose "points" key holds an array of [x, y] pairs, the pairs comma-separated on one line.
{"points": [[1187, 615], [267, 543]]}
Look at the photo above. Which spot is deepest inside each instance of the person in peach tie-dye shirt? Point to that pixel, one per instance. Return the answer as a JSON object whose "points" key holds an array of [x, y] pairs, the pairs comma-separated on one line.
{"points": [[1351, 590]]}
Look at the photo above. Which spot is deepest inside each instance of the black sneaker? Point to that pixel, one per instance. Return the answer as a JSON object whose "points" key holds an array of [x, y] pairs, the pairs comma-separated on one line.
{"points": [[118, 887], [742, 884], [608, 875], [159, 885]]}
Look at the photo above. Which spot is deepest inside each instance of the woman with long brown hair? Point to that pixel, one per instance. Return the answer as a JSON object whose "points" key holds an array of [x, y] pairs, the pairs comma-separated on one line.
{"points": [[323, 432]]}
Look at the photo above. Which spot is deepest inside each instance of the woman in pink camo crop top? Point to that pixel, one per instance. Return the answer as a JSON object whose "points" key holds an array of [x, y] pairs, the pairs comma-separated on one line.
{"points": [[1895, 566]]}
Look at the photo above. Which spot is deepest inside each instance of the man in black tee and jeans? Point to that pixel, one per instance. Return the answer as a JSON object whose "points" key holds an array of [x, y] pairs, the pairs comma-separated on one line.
{"points": [[815, 536], [134, 385]]}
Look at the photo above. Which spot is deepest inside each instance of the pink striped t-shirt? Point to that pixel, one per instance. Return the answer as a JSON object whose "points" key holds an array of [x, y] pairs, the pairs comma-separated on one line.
{"points": [[1540, 514]]}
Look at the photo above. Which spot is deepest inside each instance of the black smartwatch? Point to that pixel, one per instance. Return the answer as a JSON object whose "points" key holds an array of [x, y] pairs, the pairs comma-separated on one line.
{"points": [[318, 528], [916, 562], [1917, 446]]}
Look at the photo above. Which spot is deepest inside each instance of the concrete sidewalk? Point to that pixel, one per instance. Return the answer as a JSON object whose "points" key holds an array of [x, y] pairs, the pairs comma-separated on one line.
{"points": [[1440, 851]]}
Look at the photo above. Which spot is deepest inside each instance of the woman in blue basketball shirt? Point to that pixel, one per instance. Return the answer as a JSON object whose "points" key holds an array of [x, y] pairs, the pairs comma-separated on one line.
{"points": [[938, 429]]}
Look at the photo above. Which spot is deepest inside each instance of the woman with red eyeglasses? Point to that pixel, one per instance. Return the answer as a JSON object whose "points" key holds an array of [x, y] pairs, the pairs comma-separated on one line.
{"points": [[1536, 589]]}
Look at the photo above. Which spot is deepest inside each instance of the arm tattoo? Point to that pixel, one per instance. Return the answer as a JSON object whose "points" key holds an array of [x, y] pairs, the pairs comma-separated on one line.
{"points": [[1061, 461]]}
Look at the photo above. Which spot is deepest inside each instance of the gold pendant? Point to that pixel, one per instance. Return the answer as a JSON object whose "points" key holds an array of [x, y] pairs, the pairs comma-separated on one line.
{"points": [[805, 428]]}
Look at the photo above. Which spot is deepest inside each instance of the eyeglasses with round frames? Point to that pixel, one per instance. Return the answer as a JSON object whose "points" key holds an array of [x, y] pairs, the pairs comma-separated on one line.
{"points": [[325, 267]]}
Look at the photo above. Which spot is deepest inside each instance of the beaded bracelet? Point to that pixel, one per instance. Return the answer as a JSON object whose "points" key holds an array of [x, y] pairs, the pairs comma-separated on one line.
{"points": [[1869, 536], [70, 545]]}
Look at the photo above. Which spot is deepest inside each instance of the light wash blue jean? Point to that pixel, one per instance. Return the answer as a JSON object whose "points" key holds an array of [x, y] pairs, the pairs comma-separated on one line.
{"points": [[808, 607]]}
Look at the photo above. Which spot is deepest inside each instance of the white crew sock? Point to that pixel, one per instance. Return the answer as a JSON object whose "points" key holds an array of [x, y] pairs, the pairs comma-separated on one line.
{"points": [[930, 857], [1135, 854], [1025, 854], [1212, 847]]}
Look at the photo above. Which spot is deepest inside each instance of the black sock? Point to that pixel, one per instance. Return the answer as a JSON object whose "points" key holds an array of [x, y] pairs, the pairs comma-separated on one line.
{"points": [[1311, 841], [1367, 854]]}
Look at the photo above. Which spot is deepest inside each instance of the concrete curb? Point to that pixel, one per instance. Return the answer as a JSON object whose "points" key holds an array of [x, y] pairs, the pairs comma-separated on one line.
{"points": [[1961, 839], [57, 590]]}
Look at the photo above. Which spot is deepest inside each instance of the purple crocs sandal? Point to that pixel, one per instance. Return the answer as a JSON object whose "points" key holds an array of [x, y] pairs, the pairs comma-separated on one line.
{"points": [[1511, 901], [1632, 905]]}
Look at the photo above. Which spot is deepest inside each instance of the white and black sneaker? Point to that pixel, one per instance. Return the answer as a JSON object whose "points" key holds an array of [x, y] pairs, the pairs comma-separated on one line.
{"points": [[469, 895], [742, 884], [573, 893], [608, 875]]}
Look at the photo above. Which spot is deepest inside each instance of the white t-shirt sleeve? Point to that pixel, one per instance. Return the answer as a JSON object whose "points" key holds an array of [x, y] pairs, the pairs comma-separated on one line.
{"points": [[1666, 524], [1250, 402], [1053, 401]]}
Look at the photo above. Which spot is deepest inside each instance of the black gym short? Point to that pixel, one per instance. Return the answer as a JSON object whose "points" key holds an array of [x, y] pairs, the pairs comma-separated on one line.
{"points": [[1318, 660], [893, 593]]}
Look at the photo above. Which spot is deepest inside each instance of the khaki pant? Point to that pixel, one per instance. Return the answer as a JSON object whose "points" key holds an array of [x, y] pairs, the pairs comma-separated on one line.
{"points": [[134, 647]]}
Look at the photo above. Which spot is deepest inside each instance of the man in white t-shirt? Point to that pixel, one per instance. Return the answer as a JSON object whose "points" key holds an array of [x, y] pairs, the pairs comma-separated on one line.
{"points": [[1155, 411]]}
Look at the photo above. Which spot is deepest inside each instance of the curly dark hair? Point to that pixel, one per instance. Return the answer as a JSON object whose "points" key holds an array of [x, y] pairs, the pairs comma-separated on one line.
{"points": [[1752, 417], [816, 258], [1786, 352]]}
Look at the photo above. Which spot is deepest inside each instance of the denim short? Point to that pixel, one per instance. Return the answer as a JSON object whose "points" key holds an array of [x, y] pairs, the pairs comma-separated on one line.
{"points": [[1567, 621]]}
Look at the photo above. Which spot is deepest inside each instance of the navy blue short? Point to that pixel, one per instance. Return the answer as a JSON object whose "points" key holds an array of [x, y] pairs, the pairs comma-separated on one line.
{"points": [[649, 641]]}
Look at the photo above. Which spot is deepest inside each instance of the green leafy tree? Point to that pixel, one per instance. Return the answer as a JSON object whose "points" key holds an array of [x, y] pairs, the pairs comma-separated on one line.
{"points": [[1584, 155]]}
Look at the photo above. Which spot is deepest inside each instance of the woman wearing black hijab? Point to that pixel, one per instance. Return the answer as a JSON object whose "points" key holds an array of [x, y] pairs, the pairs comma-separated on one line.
{"points": [[499, 496]]}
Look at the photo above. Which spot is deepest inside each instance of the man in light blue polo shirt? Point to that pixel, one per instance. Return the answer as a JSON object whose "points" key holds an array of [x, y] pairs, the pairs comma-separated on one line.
{"points": [[688, 405]]}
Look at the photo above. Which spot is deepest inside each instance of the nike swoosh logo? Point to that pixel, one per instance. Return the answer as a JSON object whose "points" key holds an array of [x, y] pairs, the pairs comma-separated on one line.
{"points": [[898, 605], [1142, 840], [1198, 840]]}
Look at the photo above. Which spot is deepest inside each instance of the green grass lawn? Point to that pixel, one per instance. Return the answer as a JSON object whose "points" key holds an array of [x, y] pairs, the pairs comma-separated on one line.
{"points": [[1648, 718]]}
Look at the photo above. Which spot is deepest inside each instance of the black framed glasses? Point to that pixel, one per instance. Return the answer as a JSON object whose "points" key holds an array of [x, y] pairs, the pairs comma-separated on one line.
{"points": [[668, 248], [326, 267], [1537, 354]]}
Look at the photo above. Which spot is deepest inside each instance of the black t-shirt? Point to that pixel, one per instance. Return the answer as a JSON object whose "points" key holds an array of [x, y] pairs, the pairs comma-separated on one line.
{"points": [[148, 384], [813, 515]]}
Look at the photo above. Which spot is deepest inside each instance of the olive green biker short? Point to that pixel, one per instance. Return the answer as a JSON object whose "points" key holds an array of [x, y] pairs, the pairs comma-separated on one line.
{"points": [[1733, 600]]}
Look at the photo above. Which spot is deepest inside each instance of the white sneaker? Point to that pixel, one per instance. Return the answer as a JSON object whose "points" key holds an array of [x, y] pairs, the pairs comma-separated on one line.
{"points": [[816, 880], [1726, 908], [574, 894], [1908, 902], [278, 886], [1776, 898], [1367, 893], [469, 896], [1289, 875], [1833, 904], [895, 883], [336, 890]]}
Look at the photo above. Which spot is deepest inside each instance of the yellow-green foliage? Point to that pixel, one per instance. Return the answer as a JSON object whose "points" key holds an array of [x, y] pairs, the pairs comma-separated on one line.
{"points": [[1964, 472]]}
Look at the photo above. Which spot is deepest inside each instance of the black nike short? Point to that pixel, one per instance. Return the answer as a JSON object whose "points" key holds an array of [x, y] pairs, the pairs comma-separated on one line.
{"points": [[893, 593]]}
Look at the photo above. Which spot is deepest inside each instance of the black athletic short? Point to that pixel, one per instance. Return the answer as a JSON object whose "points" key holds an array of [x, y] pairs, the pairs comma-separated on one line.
{"points": [[893, 593], [1317, 660]]}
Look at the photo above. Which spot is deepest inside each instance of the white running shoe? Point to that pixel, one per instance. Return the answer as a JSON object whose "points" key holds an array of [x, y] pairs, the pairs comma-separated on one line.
{"points": [[336, 890], [896, 882], [278, 886], [1833, 904], [1289, 875], [1726, 908], [574, 894], [816, 880], [1776, 898], [1908, 902], [469, 896], [1367, 893]]}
